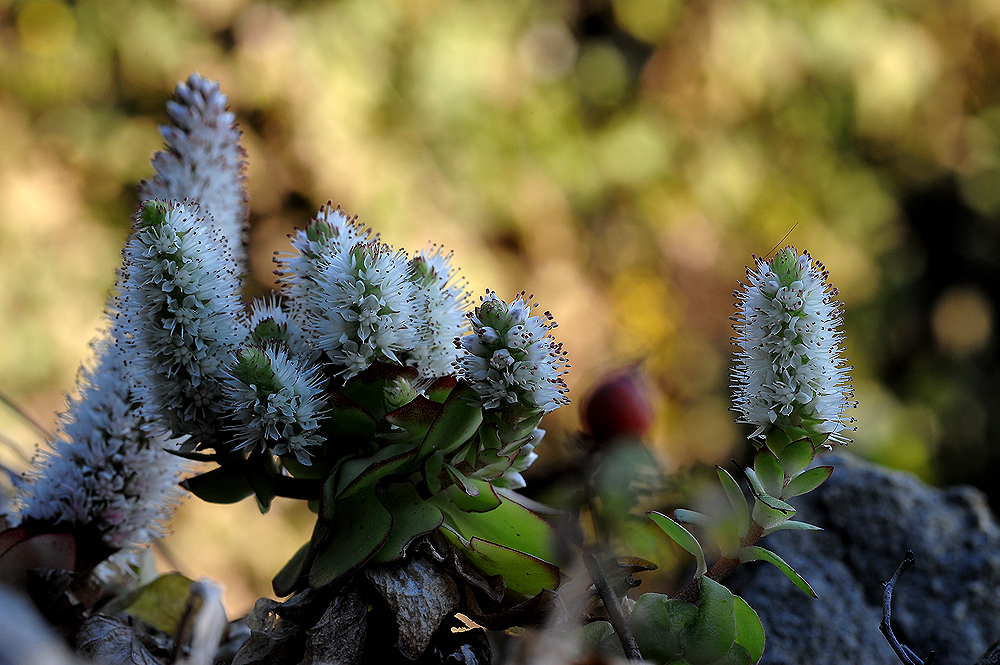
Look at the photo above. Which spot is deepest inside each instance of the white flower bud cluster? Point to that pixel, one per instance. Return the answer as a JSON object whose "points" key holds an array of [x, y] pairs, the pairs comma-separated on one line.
{"points": [[511, 358]]}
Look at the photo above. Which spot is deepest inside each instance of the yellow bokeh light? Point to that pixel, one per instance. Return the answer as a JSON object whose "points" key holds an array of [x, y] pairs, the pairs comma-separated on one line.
{"points": [[46, 27]]}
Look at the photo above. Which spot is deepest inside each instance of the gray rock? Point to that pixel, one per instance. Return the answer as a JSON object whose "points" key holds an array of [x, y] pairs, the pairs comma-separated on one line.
{"points": [[948, 602]]}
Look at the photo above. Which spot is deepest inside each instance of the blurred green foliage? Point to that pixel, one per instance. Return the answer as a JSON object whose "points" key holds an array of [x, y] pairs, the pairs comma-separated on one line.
{"points": [[621, 159]]}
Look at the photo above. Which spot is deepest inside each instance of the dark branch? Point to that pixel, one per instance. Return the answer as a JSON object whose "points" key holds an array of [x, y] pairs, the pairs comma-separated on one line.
{"points": [[903, 652], [607, 592]]}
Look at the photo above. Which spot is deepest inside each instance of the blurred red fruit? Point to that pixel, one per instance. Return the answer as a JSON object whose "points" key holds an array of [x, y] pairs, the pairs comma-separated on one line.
{"points": [[619, 406]]}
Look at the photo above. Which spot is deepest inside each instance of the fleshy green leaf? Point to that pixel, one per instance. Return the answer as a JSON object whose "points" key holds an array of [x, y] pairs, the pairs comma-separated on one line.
{"points": [[432, 471], [161, 603], [656, 622], [682, 537], [225, 484], [796, 457], [345, 419], [756, 553], [521, 571], [685, 516], [485, 501], [360, 526], [294, 575], [711, 632], [412, 517], [738, 655], [769, 512], [736, 499], [509, 524], [462, 481], [415, 417], [455, 424], [749, 631], [367, 389], [365, 471], [440, 389], [793, 524], [807, 481], [769, 472]]}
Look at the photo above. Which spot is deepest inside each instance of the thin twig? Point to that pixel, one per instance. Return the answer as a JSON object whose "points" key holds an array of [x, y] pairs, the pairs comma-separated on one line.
{"points": [[27, 417], [903, 652], [604, 588]]}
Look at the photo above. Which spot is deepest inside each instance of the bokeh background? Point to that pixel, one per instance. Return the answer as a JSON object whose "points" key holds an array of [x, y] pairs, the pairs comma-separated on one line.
{"points": [[619, 159]]}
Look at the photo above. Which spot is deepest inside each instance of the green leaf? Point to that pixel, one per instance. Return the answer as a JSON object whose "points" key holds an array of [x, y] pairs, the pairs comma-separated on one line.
{"points": [[591, 634], [682, 537], [792, 524], [769, 516], [367, 389], [415, 417], [486, 500], [755, 553], [294, 575], [807, 481], [769, 471], [461, 481], [749, 631], [440, 389], [796, 457], [685, 516], [225, 484], [412, 517], [737, 500], [509, 524], [432, 471], [656, 622], [358, 473], [711, 632], [161, 603], [455, 424], [345, 419], [738, 655], [260, 470], [521, 571], [359, 528], [777, 440]]}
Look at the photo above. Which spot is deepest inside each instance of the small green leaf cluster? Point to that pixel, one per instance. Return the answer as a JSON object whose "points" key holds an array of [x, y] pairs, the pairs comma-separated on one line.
{"points": [[722, 629]]}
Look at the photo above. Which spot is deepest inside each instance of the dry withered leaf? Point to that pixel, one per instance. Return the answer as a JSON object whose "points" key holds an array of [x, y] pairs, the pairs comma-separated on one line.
{"points": [[420, 595], [339, 636], [110, 641]]}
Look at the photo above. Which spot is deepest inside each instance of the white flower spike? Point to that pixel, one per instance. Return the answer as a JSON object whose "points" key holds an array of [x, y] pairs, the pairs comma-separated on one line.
{"points": [[789, 370], [439, 312], [181, 303], [108, 472], [204, 161]]}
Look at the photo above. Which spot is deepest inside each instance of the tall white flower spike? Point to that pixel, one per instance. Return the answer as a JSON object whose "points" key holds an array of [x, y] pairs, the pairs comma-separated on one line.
{"points": [[108, 473], [182, 308], [790, 369], [204, 161]]}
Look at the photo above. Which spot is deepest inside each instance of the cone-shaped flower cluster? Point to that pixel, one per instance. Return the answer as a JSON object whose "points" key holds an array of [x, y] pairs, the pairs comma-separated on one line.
{"points": [[108, 472], [789, 370], [276, 400], [511, 358], [204, 161], [439, 313], [182, 310]]}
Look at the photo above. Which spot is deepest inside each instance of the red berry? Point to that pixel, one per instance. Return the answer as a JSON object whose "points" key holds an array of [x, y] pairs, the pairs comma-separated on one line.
{"points": [[619, 406]]}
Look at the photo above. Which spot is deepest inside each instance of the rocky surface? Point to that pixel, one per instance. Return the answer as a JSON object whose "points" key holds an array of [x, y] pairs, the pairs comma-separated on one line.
{"points": [[948, 602]]}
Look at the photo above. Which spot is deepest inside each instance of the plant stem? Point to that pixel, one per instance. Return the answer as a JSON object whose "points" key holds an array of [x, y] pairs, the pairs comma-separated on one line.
{"points": [[692, 592], [604, 588]]}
